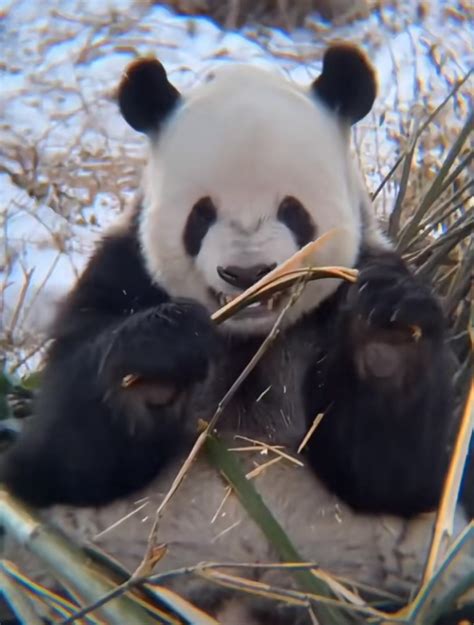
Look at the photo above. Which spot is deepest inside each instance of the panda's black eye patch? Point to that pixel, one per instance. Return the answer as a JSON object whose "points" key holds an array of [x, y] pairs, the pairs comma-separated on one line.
{"points": [[201, 218], [294, 215]]}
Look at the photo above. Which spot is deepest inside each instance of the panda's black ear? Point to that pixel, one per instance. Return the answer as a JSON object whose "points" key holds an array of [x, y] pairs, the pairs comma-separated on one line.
{"points": [[145, 95], [347, 83]]}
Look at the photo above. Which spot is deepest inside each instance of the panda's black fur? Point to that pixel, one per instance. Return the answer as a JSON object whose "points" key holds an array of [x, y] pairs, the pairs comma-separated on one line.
{"points": [[371, 356], [84, 451], [116, 321]]}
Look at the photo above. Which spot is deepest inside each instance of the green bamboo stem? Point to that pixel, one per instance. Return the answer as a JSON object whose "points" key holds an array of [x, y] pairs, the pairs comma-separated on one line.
{"points": [[17, 600], [68, 563], [229, 467]]}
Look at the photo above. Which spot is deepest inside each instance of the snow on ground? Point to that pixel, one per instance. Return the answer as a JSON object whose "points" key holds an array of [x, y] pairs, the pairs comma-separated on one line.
{"points": [[69, 164]]}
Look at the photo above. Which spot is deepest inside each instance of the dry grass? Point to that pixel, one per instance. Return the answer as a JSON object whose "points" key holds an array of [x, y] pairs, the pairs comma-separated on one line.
{"points": [[286, 14]]}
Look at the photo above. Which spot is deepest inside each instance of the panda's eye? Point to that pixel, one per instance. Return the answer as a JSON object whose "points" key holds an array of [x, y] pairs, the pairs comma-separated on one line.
{"points": [[294, 215], [201, 218]]}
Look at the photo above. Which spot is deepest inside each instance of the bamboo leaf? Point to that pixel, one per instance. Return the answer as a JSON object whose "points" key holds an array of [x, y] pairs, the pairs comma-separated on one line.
{"points": [[440, 249], [445, 517], [229, 467], [438, 211], [434, 191], [462, 167], [436, 595], [421, 129], [396, 214]]}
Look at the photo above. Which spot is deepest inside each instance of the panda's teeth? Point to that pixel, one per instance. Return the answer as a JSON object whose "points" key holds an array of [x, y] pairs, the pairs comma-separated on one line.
{"points": [[270, 303]]}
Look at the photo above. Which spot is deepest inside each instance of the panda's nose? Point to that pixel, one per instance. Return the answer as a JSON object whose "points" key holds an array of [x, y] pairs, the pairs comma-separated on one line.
{"points": [[243, 277]]}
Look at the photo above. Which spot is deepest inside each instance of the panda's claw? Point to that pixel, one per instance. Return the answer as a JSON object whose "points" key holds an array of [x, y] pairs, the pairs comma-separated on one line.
{"points": [[388, 297]]}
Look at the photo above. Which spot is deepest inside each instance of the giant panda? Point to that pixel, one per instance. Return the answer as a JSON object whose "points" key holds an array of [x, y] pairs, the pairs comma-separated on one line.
{"points": [[241, 173]]}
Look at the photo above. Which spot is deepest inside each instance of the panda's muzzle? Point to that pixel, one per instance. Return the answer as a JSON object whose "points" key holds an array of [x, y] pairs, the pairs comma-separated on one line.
{"points": [[244, 277], [267, 304]]}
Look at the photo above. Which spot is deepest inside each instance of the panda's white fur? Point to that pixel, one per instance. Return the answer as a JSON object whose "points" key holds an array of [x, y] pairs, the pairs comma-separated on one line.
{"points": [[283, 142]]}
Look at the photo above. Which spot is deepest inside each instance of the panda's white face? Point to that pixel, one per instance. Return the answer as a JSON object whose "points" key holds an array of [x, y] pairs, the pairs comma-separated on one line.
{"points": [[247, 170]]}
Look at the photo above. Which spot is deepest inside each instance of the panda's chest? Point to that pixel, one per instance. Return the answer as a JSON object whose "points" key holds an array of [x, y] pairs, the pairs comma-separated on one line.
{"points": [[268, 404]]}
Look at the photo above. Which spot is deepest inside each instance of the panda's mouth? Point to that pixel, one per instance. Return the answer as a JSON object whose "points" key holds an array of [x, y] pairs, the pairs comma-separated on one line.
{"points": [[266, 306]]}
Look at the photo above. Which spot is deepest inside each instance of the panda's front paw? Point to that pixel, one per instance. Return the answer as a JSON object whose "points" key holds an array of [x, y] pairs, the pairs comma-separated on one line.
{"points": [[171, 344], [387, 296], [394, 319]]}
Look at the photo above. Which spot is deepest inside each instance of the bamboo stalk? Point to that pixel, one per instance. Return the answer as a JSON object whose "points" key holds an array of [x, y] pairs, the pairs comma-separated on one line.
{"points": [[17, 600], [430, 601], [445, 518], [67, 562]]}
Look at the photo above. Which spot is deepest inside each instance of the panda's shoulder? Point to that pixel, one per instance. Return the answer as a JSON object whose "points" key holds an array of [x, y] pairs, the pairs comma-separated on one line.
{"points": [[117, 254], [116, 277]]}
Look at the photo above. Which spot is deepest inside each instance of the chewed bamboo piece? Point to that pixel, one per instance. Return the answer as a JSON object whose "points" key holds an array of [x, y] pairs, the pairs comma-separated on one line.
{"points": [[295, 262], [282, 277], [280, 283]]}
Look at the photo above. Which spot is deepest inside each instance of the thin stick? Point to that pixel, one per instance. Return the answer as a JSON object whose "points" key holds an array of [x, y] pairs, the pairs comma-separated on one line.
{"points": [[41, 285], [160, 578], [278, 593], [228, 492], [262, 467], [276, 449], [144, 566], [250, 475], [121, 520], [310, 432], [21, 300]]}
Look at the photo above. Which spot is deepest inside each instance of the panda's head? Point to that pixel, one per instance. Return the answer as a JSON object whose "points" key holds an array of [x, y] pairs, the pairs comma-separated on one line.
{"points": [[245, 170]]}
